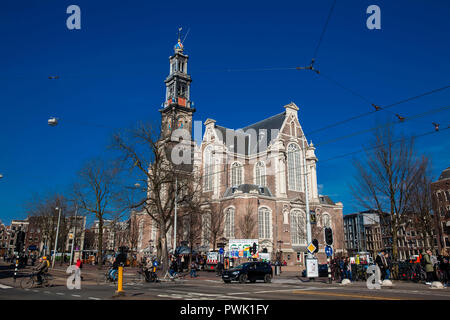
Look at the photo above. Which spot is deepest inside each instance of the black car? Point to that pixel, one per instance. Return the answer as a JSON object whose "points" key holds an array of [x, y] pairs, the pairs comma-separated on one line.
{"points": [[251, 271], [323, 271]]}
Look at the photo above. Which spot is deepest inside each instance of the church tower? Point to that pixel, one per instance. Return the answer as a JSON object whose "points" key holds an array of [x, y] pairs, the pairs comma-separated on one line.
{"points": [[177, 108]]}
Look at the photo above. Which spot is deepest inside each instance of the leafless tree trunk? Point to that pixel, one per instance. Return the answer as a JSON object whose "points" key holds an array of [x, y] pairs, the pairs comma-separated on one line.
{"points": [[247, 223], [148, 157], [215, 227], [384, 180], [420, 204], [94, 194]]}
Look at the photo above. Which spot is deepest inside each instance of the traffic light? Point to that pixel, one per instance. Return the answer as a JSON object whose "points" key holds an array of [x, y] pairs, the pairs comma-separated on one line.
{"points": [[315, 242], [254, 248], [328, 236]]}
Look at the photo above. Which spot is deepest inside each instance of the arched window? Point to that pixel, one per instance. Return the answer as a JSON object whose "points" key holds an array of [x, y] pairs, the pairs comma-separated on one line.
{"points": [[264, 223], [208, 171], [294, 167], [260, 174], [298, 227], [326, 220], [236, 174], [228, 229]]}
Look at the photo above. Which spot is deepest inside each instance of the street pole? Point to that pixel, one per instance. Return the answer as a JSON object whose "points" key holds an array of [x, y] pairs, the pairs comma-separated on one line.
{"points": [[308, 218], [74, 235], [175, 219], [56, 240]]}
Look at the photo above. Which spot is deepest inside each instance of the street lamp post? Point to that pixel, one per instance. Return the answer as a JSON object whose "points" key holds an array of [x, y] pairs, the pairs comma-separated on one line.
{"points": [[56, 240], [74, 235], [308, 218]]}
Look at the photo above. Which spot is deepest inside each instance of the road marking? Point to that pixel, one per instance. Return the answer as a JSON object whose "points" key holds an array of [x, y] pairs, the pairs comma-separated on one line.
{"points": [[35, 290], [76, 295], [2, 286], [47, 292], [93, 298], [60, 293], [358, 296]]}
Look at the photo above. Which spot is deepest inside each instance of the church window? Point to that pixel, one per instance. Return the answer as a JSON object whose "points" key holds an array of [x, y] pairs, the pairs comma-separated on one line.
{"points": [[298, 227], [209, 165], [326, 220], [260, 174], [229, 223], [294, 167], [236, 174], [264, 223]]}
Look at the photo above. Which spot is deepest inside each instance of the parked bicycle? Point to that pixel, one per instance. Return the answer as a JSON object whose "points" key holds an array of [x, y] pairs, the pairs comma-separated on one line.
{"points": [[32, 280]]}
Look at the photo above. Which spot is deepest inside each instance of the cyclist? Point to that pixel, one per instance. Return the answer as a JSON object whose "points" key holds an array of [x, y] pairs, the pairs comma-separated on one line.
{"points": [[41, 268], [113, 270], [147, 268]]}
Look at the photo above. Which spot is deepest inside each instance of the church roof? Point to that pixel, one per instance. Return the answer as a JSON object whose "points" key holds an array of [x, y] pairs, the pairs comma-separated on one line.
{"points": [[445, 174], [252, 147], [326, 200]]}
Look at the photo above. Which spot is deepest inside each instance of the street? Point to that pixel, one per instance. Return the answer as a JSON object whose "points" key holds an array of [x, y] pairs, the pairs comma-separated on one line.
{"points": [[209, 287]]}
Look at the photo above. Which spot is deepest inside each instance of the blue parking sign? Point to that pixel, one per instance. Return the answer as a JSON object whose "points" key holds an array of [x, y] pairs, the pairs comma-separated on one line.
{"points": [[328, 251]]}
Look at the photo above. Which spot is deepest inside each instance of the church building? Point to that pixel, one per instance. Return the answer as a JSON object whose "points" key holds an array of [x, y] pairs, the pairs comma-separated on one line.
{"points": [[261, 173]]}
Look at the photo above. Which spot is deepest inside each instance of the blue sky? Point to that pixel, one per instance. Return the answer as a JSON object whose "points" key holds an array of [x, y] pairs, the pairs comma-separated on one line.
{"points": [[112, 71]]}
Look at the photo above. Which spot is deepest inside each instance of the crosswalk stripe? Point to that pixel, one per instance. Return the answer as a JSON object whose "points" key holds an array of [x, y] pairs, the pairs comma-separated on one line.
{"points": [[2, 286]]}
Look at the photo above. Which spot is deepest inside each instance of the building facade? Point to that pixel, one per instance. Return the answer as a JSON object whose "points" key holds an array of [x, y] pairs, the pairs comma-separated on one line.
{"points": [[362, 233], [267, 169], [440, 193]]}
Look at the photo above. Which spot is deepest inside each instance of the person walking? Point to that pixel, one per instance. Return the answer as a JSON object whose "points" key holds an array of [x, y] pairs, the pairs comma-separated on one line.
{"points": [[443, 266], [428, 266], [193, 272], [381, 263], [388, 266]]}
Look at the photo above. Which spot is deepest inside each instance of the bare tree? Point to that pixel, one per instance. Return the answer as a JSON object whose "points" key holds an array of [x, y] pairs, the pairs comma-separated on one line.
{"points": [[95, 193], [215, 226], [43, 210], [385, 179], [420, 205], [247, 223], [148, 157]]}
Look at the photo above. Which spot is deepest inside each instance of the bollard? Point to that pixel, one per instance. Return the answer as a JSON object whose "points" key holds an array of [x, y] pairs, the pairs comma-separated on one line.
{"points": [[329, 271], [120, 282], [15, 270]]}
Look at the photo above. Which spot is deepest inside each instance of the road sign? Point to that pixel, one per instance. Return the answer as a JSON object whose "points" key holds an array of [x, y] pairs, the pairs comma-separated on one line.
{"points": [[328, 251], [221, 250], [311, 248]]}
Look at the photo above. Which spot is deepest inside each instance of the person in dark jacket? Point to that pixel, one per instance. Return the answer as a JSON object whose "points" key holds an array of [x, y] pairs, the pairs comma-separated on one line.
{"points": [[173, 267], [380, 261], [443, 266]]}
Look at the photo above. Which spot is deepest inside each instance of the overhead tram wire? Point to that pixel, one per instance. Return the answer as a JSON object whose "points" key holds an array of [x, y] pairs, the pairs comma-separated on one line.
{"points": [[374, 111], [417, 116], [375, 147], [322, 34]]}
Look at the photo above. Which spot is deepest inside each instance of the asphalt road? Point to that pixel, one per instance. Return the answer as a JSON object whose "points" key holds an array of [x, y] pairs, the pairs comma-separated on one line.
{"points": [[208, 287]]}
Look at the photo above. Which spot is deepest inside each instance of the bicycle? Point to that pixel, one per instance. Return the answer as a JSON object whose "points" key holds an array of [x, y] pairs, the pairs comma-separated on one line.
{"points": [[140, 277], [105, 278], [30, 281]]}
